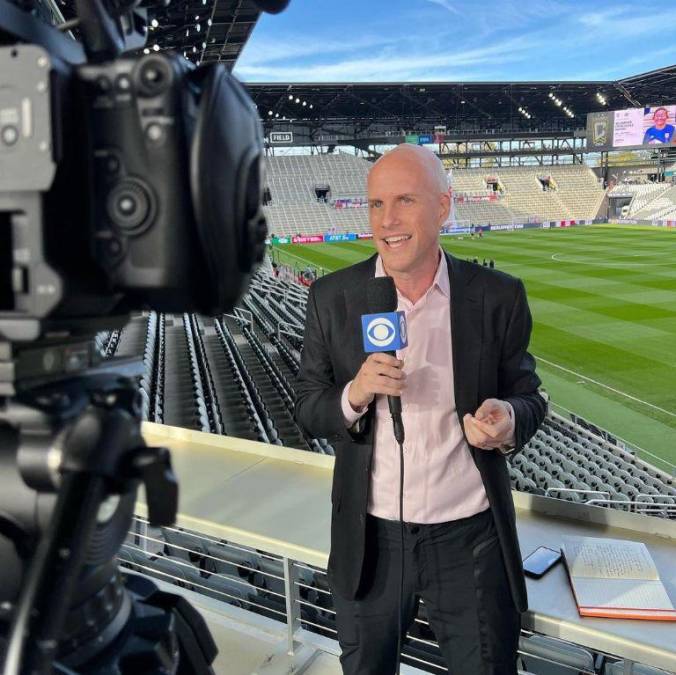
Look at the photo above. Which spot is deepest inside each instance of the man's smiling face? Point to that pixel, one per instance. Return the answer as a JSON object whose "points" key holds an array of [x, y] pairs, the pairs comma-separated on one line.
{"points": [[408, 203]]}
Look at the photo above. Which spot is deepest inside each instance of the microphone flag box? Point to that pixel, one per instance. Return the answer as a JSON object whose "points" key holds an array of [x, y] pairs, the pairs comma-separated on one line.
{"points": [[384, 332]]}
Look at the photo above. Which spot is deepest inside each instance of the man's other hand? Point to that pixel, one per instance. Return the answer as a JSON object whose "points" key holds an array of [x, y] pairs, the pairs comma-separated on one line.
{"points": [[379, 374], [491, 426]]}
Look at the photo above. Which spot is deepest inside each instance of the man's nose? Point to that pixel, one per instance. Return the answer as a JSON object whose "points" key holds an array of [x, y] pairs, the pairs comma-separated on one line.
{"points": [[390, 216]]}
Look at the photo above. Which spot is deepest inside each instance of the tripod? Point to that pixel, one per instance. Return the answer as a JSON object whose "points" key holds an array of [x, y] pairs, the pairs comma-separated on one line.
{"points": [[78, 435]]}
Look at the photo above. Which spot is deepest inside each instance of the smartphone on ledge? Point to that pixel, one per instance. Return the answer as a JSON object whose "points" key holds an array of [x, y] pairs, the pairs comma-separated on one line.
{"points": [[541, 560]]}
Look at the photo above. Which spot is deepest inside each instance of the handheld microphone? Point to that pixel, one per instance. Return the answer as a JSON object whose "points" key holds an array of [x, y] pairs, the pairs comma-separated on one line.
{"points": [[384, 330]]}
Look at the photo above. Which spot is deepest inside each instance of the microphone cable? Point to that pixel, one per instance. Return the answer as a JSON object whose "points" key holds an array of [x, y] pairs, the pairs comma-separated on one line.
{"points": [[401, 568]]}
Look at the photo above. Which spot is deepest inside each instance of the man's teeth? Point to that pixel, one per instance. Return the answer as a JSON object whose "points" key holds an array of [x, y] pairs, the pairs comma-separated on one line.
{"points": [[394, 240]]}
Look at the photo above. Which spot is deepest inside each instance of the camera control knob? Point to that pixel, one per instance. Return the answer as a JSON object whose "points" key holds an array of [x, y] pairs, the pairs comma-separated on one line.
{"points": [[130, 206], [154, 76], [9, 135]]}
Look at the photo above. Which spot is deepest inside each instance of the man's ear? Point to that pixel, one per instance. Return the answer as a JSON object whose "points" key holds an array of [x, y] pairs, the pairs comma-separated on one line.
{"points": [[444, 207]]}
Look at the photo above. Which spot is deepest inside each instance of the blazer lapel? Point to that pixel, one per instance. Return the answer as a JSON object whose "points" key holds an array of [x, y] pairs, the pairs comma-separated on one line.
{"points": [[356, 304], [466, 334]]}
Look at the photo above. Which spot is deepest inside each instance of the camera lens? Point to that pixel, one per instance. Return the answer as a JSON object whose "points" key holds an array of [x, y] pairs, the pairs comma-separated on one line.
{"points": [[130, 206], [154, 76]]}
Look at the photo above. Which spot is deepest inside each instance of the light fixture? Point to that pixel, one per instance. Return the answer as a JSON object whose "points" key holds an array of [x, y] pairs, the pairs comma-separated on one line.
{"points": [[198, 27], [310, 105], [304, 103], [146, 51], [156, 47], [208, 22], [204, 45], [290, 97], [194, 49], [269, 112], [154, 23], [297, 100]]}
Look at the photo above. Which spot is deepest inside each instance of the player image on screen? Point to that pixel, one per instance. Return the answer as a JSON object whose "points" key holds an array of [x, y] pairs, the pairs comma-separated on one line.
{"points": [[660, 132]]}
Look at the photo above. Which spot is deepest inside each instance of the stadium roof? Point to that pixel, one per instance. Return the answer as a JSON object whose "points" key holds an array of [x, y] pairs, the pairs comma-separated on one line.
{"points": [[512, 106], [204, 30]]}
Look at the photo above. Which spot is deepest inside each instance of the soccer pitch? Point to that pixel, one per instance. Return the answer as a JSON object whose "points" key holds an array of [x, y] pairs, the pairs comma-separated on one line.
{"points": [[603, 300]]}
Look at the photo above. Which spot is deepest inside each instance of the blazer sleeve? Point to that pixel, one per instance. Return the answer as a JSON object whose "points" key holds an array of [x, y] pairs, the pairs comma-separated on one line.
{"points": [[318, 405], [517, 380]]}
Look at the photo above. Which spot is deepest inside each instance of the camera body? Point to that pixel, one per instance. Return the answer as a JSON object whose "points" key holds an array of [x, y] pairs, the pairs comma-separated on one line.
{"points": [[141, 116], [129, 184]]}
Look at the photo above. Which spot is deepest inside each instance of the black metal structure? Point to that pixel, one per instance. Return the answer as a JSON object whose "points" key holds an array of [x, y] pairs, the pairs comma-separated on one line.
{"points": [[203, 30], [469, 108]]}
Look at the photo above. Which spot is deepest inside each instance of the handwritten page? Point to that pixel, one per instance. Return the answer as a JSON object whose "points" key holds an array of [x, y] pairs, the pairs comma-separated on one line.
{"points": [[597, 558], [622, 594]]}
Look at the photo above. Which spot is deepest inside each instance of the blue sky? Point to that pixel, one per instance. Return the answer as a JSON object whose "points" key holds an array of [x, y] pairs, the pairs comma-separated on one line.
{"points": [[459, 40]]}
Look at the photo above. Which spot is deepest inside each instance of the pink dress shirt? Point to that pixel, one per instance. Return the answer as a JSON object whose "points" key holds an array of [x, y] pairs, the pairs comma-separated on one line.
{"points": [[441, 481]]}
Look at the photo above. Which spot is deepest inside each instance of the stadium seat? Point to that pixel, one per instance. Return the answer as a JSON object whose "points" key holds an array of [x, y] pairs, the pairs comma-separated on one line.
{"points": [[536, 653]]}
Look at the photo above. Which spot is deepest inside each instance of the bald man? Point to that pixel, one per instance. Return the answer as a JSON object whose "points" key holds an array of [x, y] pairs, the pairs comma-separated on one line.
{"points": [[469, 398]]}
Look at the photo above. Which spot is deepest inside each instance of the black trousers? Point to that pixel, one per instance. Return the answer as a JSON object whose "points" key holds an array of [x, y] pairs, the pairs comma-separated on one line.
{"points": [[458, 570]]}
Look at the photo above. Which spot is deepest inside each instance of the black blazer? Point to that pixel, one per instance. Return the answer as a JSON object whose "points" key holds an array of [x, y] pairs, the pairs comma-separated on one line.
{"points": [[490, 329]]}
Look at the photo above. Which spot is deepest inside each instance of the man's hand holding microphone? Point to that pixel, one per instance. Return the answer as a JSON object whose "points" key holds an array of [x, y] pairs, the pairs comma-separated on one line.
{"points": [[380, 373]]}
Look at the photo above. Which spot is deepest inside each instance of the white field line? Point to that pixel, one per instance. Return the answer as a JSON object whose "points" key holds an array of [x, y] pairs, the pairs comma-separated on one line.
{"points": [[605, 386], [601, 262]]}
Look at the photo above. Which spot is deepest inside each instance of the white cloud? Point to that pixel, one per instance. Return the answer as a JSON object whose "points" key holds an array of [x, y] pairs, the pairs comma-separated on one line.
{"points": [[455, 65], [446, 4], [260, 51]]}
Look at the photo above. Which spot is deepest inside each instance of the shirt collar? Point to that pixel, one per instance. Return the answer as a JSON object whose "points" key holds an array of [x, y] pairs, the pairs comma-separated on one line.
{"points": [[440, 281]]}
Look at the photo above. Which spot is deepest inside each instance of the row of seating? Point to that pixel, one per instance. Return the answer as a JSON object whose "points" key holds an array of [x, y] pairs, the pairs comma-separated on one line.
{"points": [[575, 193], [254, 580], [563, 459]]}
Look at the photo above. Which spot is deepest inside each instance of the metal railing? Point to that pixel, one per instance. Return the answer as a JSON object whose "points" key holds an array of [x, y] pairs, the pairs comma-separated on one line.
{"points": [[297, 594]]}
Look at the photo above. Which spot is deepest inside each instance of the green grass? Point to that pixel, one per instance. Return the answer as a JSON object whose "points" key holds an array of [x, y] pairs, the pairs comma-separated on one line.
{"points": [[603, 300]]}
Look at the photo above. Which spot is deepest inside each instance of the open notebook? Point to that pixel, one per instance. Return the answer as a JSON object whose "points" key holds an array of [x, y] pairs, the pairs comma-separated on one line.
{"points": [[615, 578]]}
